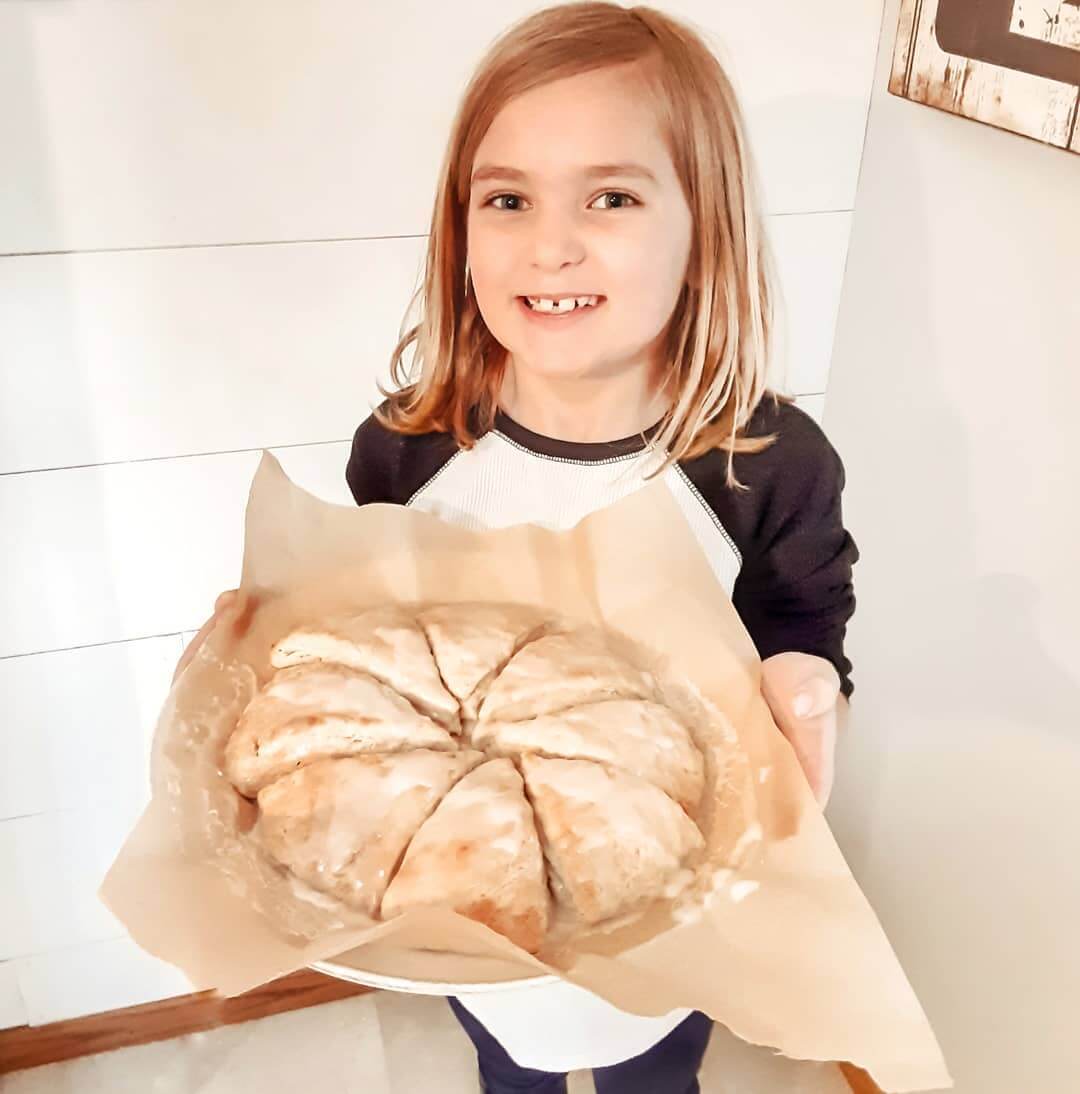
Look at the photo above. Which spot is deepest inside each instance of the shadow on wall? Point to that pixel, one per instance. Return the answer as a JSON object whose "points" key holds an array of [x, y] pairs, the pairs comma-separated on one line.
{"points": [[954, 802]]}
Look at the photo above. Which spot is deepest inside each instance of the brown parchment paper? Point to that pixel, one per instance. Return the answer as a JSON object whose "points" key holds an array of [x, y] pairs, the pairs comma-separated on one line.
{"points": [[784, 950]]}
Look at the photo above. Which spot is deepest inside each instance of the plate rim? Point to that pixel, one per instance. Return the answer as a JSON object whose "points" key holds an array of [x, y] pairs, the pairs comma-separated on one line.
{"points": [[425, 987]]}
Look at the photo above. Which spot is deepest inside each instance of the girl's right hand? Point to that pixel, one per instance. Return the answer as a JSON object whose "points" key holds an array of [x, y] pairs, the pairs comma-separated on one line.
{"points": [[224, 604]]}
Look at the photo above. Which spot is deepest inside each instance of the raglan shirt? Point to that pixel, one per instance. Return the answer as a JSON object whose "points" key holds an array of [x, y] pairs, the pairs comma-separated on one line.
{"points": [[779, 548]]}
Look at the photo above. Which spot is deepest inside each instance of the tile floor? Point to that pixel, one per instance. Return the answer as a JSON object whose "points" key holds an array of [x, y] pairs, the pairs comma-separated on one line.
{"points": [[374, 1044]]}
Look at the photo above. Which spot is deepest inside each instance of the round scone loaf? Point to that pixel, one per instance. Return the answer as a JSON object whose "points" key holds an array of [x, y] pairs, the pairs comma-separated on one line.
{"points": [[480, 757]]}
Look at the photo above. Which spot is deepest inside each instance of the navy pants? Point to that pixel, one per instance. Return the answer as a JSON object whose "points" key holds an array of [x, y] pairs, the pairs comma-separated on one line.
{"points": [[669, 1067]]}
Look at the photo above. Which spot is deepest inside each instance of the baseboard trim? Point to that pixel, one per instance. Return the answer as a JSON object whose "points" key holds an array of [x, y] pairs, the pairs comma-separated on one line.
{"points": [[31, 1046], [859, 1081]]}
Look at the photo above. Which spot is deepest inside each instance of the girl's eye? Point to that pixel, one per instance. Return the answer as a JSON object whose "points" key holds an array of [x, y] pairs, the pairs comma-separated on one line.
{"points": [[607, 193], [619, 194]]}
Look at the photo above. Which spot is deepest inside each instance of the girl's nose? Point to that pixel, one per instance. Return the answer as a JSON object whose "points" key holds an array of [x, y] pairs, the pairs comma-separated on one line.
{"points": [[552, 253]]}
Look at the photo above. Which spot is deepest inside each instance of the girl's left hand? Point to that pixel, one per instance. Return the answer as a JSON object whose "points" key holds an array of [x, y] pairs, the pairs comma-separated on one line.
{"points": [[803, 693]]}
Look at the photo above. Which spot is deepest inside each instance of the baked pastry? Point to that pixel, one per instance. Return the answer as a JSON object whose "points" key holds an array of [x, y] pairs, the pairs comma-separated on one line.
{"points": [[612, 839], [641, 737], [386, 642], [558, 671], [319, 709], [472, 642], [571, 788], [342, 825], [479, 854]]}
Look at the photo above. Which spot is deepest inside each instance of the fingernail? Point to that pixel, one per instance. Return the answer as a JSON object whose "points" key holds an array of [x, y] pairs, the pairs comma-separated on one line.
{"points": [[801, 704]]}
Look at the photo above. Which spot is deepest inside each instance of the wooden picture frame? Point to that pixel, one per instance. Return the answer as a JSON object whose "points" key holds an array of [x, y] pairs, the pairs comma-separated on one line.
{"points": [[1012, 64]]}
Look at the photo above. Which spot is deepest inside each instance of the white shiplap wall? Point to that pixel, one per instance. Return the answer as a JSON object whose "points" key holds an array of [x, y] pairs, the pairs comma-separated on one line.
{"points": [[212, 219]]}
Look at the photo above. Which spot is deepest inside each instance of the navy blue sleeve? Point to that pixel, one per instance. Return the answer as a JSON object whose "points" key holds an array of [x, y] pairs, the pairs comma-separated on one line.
{"points": [[392, 467], [369, 470], [795, 590]]}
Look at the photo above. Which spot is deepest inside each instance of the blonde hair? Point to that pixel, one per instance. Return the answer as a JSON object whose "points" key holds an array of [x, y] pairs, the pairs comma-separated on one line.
{"points": [[719, 337]]}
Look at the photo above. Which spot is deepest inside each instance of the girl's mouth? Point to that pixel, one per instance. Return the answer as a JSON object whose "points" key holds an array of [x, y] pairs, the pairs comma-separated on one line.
{"points": [[554, 320]]}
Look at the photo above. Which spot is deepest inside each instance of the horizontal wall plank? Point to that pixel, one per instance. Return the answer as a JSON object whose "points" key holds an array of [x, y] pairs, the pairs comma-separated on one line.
{"points": [[89, 979], [155, 354], [53, 863], [12, 1005], [320, 468], [150, 354], [78, 723], [126, 551], [179, 123]]}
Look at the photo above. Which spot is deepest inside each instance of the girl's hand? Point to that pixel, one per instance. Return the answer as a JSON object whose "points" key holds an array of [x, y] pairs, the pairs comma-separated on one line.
{"points": [[225, 603], [803, 693]]}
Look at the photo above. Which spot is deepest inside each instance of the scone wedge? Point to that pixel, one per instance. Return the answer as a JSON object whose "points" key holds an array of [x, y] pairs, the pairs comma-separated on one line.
{"points": [[635, 735], [558, 671], [388, 643], [342, 825], [473, 641], [479, 854], [319, 709], [612, 840]]}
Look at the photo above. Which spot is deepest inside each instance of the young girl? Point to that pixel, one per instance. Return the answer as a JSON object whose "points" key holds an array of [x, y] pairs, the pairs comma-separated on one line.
{"points": [[598, 309]]}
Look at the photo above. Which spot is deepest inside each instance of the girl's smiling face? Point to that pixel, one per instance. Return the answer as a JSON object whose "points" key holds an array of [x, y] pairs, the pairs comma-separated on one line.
{"points": [[591, 205]]}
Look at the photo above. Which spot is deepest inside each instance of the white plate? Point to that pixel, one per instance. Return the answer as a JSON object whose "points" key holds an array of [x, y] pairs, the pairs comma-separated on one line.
{"points": [[389, 968]]}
